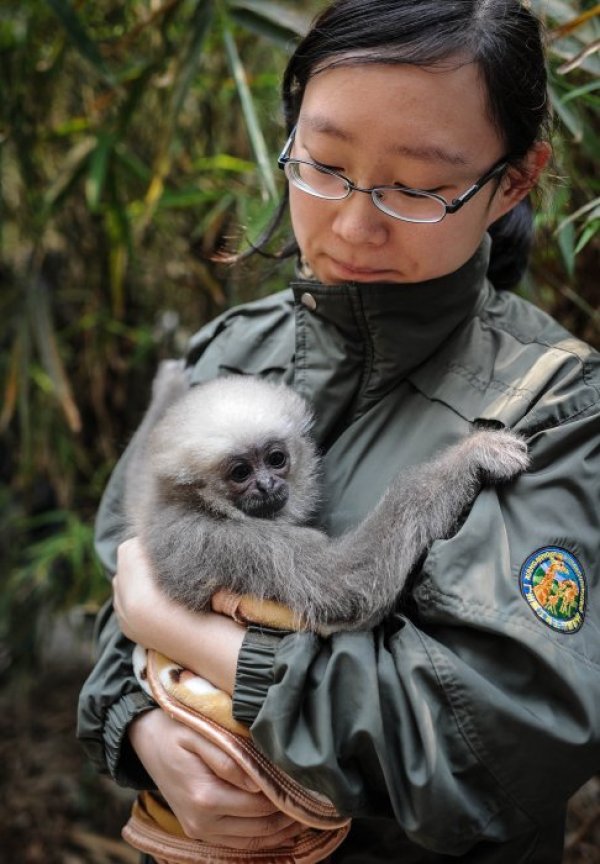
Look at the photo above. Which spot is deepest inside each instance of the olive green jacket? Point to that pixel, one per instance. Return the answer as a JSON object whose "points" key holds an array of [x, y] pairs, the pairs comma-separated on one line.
{"points": [[460, 727]]}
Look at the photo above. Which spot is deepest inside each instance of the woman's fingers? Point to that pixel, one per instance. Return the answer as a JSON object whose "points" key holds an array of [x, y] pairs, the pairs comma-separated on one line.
{"points": [[262, 834], [208, 792], [219, 762]]}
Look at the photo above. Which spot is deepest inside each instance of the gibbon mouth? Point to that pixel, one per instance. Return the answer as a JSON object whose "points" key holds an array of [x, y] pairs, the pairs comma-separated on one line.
{"points": [[264, 506]]}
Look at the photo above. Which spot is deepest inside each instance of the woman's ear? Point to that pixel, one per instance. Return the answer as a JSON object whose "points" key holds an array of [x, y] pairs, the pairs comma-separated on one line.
{"points": [[519, 180]]}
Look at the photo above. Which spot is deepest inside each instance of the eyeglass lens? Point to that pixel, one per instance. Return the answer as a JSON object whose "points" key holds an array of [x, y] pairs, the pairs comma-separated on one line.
{"points": [[405, 204]]}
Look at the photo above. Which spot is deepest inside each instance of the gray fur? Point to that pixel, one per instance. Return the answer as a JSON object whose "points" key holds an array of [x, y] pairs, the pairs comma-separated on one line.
{"points": [[198, 541]]}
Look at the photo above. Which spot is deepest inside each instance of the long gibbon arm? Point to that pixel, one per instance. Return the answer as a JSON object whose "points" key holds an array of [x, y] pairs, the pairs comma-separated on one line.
{"points": [[346, 583]]}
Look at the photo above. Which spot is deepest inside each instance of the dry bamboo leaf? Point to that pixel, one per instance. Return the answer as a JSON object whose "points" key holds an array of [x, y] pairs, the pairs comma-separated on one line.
{"points": [[574, 23], [579, 58], [11, 388], [43, 331]]}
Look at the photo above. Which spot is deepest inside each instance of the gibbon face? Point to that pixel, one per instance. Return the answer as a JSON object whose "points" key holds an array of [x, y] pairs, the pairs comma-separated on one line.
{"points": [[237, 447], [256, 481]]}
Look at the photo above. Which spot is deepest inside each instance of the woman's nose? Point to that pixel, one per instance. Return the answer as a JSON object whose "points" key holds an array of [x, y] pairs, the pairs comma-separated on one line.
{"points": [[357, 220]]}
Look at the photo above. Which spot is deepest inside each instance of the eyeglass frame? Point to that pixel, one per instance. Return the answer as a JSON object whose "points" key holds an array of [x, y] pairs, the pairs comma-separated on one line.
{"points": [[449, 208]]}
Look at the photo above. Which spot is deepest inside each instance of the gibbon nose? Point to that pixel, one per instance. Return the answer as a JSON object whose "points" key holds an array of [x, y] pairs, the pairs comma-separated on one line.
{"points": [[265, 482]]}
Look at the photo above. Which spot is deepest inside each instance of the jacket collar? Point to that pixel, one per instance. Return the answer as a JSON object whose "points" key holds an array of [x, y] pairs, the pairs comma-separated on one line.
{"points": [[355, 342]]}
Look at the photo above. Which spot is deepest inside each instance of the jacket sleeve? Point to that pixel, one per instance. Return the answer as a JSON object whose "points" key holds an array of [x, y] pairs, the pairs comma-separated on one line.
{"points": [[111, 696], [465, 716]]}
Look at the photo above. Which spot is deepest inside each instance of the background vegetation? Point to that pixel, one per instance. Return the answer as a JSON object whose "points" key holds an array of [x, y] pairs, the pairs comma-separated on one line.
{"points": [[137, 138]]}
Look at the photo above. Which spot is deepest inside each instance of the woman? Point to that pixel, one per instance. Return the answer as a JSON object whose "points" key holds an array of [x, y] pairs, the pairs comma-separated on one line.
{"points": [[461, 726]]}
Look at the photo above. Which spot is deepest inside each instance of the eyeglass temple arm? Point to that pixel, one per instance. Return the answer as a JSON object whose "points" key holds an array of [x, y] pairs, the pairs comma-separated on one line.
{"points": [[457, 203], [283, 156]]}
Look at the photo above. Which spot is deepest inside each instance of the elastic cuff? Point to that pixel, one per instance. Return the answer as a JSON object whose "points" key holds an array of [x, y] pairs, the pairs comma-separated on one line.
{"points": [[254, 673], [121, 759]]}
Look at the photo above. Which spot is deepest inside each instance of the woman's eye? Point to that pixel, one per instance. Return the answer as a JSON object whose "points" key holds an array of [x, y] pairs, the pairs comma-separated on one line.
{"points": [[337, 168], [277, 459], [435, 190], [240, 473]]}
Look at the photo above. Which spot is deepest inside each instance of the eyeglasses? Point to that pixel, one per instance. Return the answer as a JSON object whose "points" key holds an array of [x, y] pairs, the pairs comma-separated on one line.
{"points": [[400, 202]]}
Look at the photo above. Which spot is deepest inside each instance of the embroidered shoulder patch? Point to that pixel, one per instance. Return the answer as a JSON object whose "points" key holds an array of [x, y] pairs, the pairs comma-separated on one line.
{"points": [[553, 583]]}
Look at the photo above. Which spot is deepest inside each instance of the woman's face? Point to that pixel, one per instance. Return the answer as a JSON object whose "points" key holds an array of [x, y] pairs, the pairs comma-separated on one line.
{"points": [[383, 125]]}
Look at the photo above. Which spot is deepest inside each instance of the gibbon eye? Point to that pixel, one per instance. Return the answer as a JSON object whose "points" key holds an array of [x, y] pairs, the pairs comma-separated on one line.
{"points": [[277, 459], [240, 472]]}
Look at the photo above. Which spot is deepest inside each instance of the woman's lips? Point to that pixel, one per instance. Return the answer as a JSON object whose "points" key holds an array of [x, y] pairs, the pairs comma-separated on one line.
{"points": [[353, 272]]}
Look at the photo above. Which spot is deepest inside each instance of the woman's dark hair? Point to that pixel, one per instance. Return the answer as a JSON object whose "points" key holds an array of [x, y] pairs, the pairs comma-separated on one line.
{"points": [[502, 36]]}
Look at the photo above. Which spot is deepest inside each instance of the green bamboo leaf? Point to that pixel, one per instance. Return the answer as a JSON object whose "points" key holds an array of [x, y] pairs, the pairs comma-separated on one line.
{"points": [[199, 28], [223, 162], [80, 38], [280, 36], [291, 20], [254, 131], [138, 80], [98, 164], [569, 117], [116, 224], [587, 234], [270, 20], [74, 165], [72, 126], [185, 198], [595, 214], [132, 162], [566, 244], [578, 92], [591, 208]]}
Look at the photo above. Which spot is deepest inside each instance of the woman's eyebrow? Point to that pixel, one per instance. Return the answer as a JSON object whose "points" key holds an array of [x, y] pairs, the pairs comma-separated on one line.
{"points": [[430, 153], [423, 153], [319, 123]]}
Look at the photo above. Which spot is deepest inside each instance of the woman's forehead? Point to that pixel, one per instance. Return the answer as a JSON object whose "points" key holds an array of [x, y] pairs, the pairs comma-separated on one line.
{"points": [[425, 113], [425, 151]]}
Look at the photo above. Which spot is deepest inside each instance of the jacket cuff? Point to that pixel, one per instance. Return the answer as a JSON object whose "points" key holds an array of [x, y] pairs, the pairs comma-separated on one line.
{"points": [[121, 759], [254, 673]]}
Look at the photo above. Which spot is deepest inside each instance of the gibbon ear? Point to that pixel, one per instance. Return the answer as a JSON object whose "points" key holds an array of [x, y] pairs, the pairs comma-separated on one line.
{"points": [[174, 463]]}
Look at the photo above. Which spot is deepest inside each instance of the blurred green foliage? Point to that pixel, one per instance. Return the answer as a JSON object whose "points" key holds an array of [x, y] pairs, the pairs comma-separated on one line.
{"points": [[564, 270], [138, 139]]}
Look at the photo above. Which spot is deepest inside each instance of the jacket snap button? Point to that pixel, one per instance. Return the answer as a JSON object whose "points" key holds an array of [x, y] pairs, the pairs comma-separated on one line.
{"points": [[309, 301]]}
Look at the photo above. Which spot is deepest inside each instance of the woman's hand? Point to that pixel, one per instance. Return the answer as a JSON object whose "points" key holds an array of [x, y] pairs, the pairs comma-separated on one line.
{"points": [[204, 642], [137, 599], [211, 796]]}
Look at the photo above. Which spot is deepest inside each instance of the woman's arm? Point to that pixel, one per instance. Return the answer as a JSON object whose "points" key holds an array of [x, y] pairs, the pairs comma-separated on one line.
{"points": [[205, 642]]}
